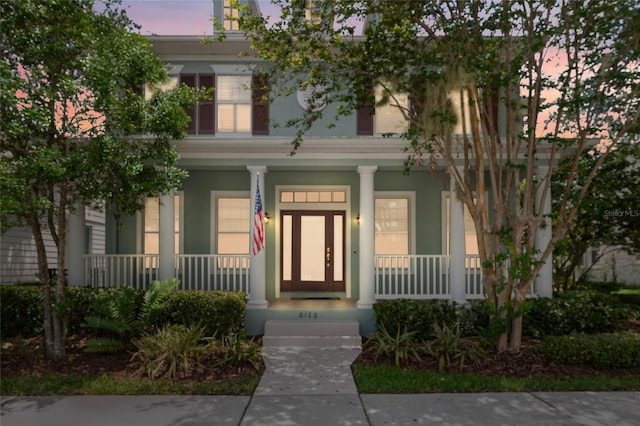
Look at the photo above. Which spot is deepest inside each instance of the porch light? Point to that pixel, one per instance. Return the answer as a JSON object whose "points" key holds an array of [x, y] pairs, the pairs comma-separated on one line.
{"points": [[358, 219], [267, 219]]}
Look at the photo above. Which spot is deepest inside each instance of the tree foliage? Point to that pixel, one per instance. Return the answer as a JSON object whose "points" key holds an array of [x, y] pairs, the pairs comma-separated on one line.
{"points": [[73, 110], [529, 82], [607, 216]]}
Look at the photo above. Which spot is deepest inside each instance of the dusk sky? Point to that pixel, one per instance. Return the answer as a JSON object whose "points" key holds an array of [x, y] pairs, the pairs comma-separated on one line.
{"points": [[175, 17]]}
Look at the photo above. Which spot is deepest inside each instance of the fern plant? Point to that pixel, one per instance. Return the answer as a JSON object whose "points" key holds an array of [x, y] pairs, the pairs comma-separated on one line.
{"points": [[401, 345], [448, 345], [125, 320]]}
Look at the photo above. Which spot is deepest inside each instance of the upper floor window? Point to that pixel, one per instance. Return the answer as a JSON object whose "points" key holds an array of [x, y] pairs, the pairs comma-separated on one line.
{"points": [[239, 104], [312, 12], [390, 117], [230, 14], [234, 103]]}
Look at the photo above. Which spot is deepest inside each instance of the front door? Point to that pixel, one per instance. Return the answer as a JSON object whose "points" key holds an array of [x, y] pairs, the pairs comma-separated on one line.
{"points": [[312, 257]]}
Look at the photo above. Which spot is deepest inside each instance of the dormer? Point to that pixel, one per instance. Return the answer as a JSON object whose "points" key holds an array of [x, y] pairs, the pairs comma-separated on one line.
{"points": [[225, 12]]}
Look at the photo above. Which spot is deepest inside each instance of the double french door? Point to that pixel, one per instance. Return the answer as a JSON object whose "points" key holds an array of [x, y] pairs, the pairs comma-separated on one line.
{"points": [[313, 250]]}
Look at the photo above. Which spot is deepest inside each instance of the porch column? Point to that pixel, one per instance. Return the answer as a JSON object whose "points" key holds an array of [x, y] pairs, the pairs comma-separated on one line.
{"points": [[167, 237], [543, 285], [367, 237], [75, 246], [457, 247], [257, 271]]}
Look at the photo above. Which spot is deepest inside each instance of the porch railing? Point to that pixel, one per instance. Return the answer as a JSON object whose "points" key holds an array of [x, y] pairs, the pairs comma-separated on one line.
{"points": [[195, 271], [213, 272], [412, 276], [423, 277]]}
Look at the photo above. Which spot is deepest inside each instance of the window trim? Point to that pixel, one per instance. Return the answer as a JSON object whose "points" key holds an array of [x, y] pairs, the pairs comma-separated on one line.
{"points": [[140, 224], [213, 242], [410, 196], [445, 197]]}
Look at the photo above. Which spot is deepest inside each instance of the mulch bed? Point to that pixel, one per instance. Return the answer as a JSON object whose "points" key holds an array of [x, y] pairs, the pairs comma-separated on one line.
{"points": [[26, 357], [22, 357]]}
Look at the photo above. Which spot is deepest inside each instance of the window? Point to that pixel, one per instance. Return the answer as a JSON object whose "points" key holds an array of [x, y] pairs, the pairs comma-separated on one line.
{"points": [[313, 196], [313, 12], [470, 239], [239, 104], [394, 223], [151, 243], [232, 223], [203, 113], [389, 118], [229, 15], [391, 226], [234, 103], [384, 119]]}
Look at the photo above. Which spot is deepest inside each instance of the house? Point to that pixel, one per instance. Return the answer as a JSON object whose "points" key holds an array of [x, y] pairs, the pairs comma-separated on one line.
{"points": [[18, 257], [343, 225]]}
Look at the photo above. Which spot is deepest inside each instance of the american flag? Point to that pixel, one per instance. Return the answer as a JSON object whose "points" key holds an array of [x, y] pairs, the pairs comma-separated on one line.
{"points": [[258, 223]]}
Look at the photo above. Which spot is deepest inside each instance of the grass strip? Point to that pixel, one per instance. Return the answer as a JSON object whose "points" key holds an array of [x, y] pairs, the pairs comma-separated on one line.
{"points": [[70, 384], [387, 379]]}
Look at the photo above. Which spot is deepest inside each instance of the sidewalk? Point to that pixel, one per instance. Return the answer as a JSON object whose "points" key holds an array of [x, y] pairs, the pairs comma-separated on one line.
{"points": [[314, 386]]}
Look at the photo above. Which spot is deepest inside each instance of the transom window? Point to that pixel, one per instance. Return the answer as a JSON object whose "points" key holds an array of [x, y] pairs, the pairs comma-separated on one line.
{"points": [[313, 197]]}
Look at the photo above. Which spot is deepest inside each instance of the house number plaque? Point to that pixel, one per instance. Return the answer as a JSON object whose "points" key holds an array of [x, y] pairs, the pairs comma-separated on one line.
{"points": [[308, 315]]}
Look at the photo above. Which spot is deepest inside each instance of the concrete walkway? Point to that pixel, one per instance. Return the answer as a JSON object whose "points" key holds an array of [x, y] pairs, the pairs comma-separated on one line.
{"points": [[314, 386]]}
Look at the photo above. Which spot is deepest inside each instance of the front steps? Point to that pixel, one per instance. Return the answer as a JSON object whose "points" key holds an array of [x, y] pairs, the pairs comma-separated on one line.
{"points": [[312, 334]]}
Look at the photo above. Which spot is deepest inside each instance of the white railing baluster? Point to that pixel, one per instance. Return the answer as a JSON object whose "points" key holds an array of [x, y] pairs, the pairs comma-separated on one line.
{"points": [[196, 272]]}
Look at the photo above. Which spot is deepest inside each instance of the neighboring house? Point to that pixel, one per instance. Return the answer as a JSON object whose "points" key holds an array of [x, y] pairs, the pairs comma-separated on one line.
{"points": [[612, 264], [18, 258], [343, 224]]}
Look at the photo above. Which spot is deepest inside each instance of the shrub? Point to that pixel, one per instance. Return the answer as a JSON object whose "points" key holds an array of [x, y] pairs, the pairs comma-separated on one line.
{"points": [[448, 345], [613, 350], [419, 315], [220, 313], [127, 318], [20, 311], [237, 351], [401, 346], [171, 350], [580, 311]]}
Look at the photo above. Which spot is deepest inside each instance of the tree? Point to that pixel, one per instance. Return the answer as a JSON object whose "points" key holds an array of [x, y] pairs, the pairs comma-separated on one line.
{"points": [[535, 81], [608, 215], [72, 103]]}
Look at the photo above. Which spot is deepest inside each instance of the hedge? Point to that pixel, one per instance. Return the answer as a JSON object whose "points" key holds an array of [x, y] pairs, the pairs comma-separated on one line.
{"points": [[610, 350], [21, 309]]}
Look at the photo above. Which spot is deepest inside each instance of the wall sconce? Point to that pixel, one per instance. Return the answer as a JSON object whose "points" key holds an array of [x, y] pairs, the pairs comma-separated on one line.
{"points": [[267, 219], [358, 219]]}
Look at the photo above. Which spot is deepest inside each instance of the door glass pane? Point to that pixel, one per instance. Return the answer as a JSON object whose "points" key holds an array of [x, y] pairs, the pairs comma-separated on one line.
{"points": [[312, 247], [287, 237], [337, 248]]}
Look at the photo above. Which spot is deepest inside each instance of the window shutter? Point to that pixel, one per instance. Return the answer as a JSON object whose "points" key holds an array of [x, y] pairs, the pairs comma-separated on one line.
{"points": [[415, 102], [190, 81], [365, 114], [260, 104], [207, 108]]}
